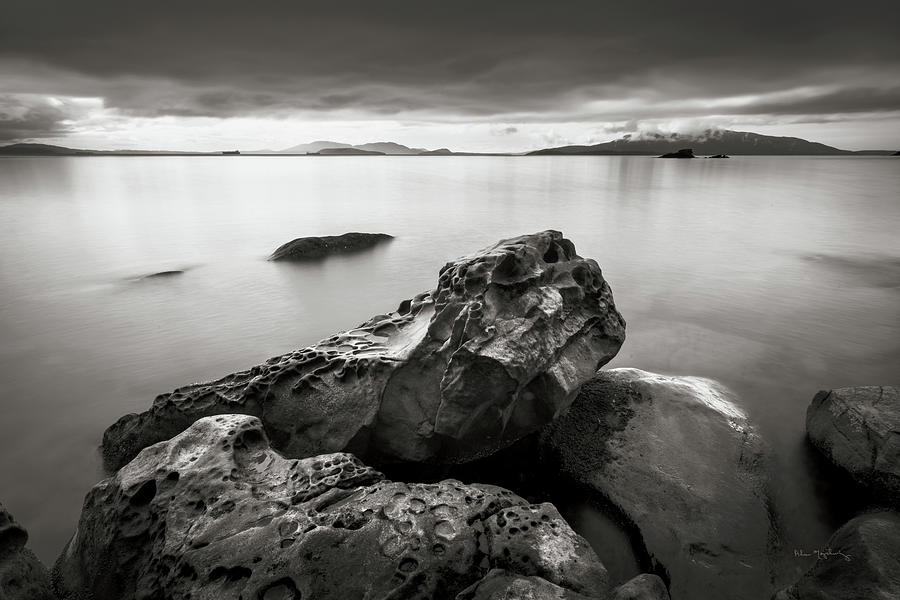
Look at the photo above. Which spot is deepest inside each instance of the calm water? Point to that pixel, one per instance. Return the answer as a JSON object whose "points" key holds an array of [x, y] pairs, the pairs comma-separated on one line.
{"points": [[778, 276]]}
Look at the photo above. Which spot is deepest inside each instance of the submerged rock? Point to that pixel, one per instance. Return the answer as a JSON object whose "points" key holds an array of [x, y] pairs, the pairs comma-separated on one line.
{"points": [[307, 248], [682, 464], [494, 352], [858, 429], [22, 576], [683, 153], [861, 562], [216, 513]]}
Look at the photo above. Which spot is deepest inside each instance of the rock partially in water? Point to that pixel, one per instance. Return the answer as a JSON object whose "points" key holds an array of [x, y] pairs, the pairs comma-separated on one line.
{"points": [[683, 153], [309, 248], [498, 349], [216, 513], [861, 561], [642, 587], [858, 429], [684, 466], [22, 576], [503, 585]]}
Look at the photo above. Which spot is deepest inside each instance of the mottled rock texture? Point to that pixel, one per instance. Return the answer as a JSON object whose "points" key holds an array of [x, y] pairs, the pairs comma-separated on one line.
{"points": [[683, 465], [494, 352], [216, 513], [307, 248], [642, 587], [861, 562], [858, 429], [22, 576]]}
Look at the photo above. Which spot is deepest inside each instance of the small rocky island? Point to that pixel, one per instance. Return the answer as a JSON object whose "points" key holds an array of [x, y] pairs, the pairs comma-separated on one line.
{"points": [[312, 248], [331, 472], [683, 153]]}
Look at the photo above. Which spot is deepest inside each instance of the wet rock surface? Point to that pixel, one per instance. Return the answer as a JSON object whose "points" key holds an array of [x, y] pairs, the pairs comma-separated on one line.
{"points": [[311, 248], [642, 587], [22, 576], [861, 562], [216, 513], [494, 352], [858, 429], [681, 463]]}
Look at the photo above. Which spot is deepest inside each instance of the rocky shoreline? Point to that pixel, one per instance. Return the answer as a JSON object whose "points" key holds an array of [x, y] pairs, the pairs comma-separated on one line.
{"points": [[370, 465]]}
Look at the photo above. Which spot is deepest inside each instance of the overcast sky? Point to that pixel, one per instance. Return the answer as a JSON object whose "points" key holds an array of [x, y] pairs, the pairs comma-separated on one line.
{"points": [[481, 76]]}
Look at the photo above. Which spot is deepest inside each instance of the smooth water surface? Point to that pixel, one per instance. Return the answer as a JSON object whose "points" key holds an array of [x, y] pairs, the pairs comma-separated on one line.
{"points": [[778, 276]]}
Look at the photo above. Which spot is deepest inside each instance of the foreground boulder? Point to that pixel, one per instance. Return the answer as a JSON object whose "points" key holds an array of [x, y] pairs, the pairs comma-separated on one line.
{"points": [[861, 562], [22, 576], [858, 429], [494, 352], [307, 248], [216, 513], [683, 465], [642, 587]]}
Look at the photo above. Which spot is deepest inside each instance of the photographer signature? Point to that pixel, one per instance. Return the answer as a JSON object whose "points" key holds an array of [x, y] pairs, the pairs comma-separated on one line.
{"points": [[826, 554]]}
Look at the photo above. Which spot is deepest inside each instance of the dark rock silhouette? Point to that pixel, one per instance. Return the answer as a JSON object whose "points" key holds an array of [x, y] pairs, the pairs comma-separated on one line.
{"points": [[216, 513], [861, 560], [164, 274], [682, 464], [683, 153], [498, 349], [858, 429], [22, 576], [307, 248]]}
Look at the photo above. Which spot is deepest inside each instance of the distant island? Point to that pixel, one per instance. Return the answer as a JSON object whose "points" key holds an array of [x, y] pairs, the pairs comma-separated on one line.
{"points": [[709, 142], [712, 142]]}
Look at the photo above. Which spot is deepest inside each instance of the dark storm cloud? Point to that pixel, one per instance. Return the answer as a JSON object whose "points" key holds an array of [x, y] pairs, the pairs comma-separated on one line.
{"points": [[24, 117], [454, 59]]}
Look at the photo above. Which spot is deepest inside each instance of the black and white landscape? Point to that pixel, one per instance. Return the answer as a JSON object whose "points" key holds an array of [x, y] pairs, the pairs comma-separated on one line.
{"points": [[404, 300]]}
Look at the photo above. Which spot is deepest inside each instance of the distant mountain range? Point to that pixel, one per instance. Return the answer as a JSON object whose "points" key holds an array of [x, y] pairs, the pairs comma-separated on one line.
{"points": [[711, 141]]}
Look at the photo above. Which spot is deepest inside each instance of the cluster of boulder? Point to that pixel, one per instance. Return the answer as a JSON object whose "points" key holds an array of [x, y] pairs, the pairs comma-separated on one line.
{"points": [[857, 429], [266, 484]]}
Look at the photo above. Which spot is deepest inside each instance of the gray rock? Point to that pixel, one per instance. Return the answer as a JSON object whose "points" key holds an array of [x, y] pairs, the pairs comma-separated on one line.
{"points": [[307, 248], [494, 352], [22, 576], [684, 466], [642, 587], [216, 513], [502, 585], [861, 562], [858, 429]]}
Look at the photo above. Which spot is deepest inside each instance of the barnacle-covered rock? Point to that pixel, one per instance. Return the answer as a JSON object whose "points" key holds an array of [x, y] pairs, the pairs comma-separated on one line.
{"points": [[495, 351], [216, 513]]}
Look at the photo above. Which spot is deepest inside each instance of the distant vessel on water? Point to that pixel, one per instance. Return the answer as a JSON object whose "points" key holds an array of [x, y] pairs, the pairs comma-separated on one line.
{"points": [[231, 152]]}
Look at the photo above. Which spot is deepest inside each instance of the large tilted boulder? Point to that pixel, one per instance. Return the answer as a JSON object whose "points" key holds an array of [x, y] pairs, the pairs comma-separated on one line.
{"points": [[495, 351], [216, 513], [858, 429], [684, 466], [22, 576], [861, 561]]}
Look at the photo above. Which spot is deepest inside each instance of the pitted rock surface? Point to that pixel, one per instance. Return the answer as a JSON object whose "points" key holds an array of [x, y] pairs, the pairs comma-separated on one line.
{"points": [[216, 513], [22, 576], [495, 351], [858, 429], [683, 464]]}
